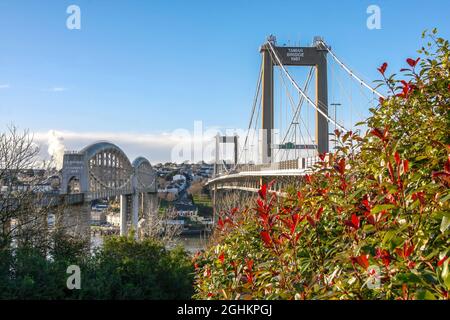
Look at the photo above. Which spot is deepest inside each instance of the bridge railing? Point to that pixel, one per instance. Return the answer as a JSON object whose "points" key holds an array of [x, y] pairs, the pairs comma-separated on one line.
{"points": [[296, 164]]}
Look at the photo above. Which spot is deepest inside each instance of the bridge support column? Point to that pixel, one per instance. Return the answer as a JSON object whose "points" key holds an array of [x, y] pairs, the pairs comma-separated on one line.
{"points": [[123, 215], [76, 220], [144, 204], [149, 204], [214, 203], [322, 138], [135, 212], [152, 199], [267, 106]]}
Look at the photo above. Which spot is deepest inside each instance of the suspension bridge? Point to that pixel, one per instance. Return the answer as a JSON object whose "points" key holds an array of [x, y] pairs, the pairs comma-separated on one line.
{"points": [[288, 127]]}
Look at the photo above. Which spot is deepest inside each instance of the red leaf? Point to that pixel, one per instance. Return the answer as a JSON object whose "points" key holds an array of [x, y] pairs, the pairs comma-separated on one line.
{"points": [[397, 158], [263, 191], [319, 213], [228, 220], [412, 62], [220, 223], [406, 251], [384, 255], [378, 133], [264, 217], [308, 178], [353, 223], [266, 238], [406, 90], [250, 264], [322, 156], [441, 262], [249, 276], [222, 257], [260, 203], [295, 220], [383, 68], [362, 260], [341, 166], [366, 205], [344, 185], [338, 132], [391, 171], [419, 196], [370, 219], [447, 165], [311, 221], [409, 250], [405, 166]]}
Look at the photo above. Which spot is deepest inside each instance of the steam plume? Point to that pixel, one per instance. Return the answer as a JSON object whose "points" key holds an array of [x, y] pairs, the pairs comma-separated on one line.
{"points": [[56, 148]]}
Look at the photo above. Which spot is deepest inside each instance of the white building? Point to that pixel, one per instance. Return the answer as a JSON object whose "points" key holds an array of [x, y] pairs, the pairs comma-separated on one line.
{"points": [[178, 177], [113, 219]]}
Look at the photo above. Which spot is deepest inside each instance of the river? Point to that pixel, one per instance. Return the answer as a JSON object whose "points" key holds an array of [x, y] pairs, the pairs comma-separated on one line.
{"points": [[191, 243]]}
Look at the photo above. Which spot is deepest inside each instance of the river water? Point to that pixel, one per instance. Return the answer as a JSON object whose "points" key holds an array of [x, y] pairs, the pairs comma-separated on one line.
{"points": [[191, 243]]}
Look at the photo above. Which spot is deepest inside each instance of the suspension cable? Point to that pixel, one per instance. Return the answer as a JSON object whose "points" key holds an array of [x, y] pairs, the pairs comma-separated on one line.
{"points": [[296, 110], [362, 82], [301, 91], [255, 102], [296, 115]]}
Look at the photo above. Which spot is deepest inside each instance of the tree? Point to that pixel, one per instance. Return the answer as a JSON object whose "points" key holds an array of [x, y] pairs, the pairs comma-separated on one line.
{"points": [[22, 217], [160, 225]]}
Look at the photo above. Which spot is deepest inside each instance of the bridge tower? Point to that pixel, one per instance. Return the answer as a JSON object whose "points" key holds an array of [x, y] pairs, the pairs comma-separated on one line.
{"points": [[315, 56], [225, 139]]}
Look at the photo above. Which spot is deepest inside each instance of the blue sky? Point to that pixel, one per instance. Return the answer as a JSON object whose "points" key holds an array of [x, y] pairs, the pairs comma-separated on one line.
{"points": [[149, 67]]}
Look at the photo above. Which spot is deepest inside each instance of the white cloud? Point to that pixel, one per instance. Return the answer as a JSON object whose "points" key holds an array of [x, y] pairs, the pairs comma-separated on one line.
{"points": [[5, 86], [57, 89], [155, 147]]}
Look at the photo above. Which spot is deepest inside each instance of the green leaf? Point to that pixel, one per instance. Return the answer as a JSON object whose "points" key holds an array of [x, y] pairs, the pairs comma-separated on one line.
{"points": [[444, 199], [408, 278], [368, 228], [380, 207], [425, 295], [446, 274], [444, 223], [388, 236]]}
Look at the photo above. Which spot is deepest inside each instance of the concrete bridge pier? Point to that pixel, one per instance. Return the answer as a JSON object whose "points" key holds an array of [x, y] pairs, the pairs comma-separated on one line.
{"points": [[143, 199], [76, 220], [123, 214], [135, 211], [139, 205], [149, 204], [153, 203]]}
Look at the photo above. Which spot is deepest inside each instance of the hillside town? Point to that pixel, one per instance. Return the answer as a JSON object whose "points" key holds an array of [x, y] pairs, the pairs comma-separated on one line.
{"points": [[180, 189]]}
